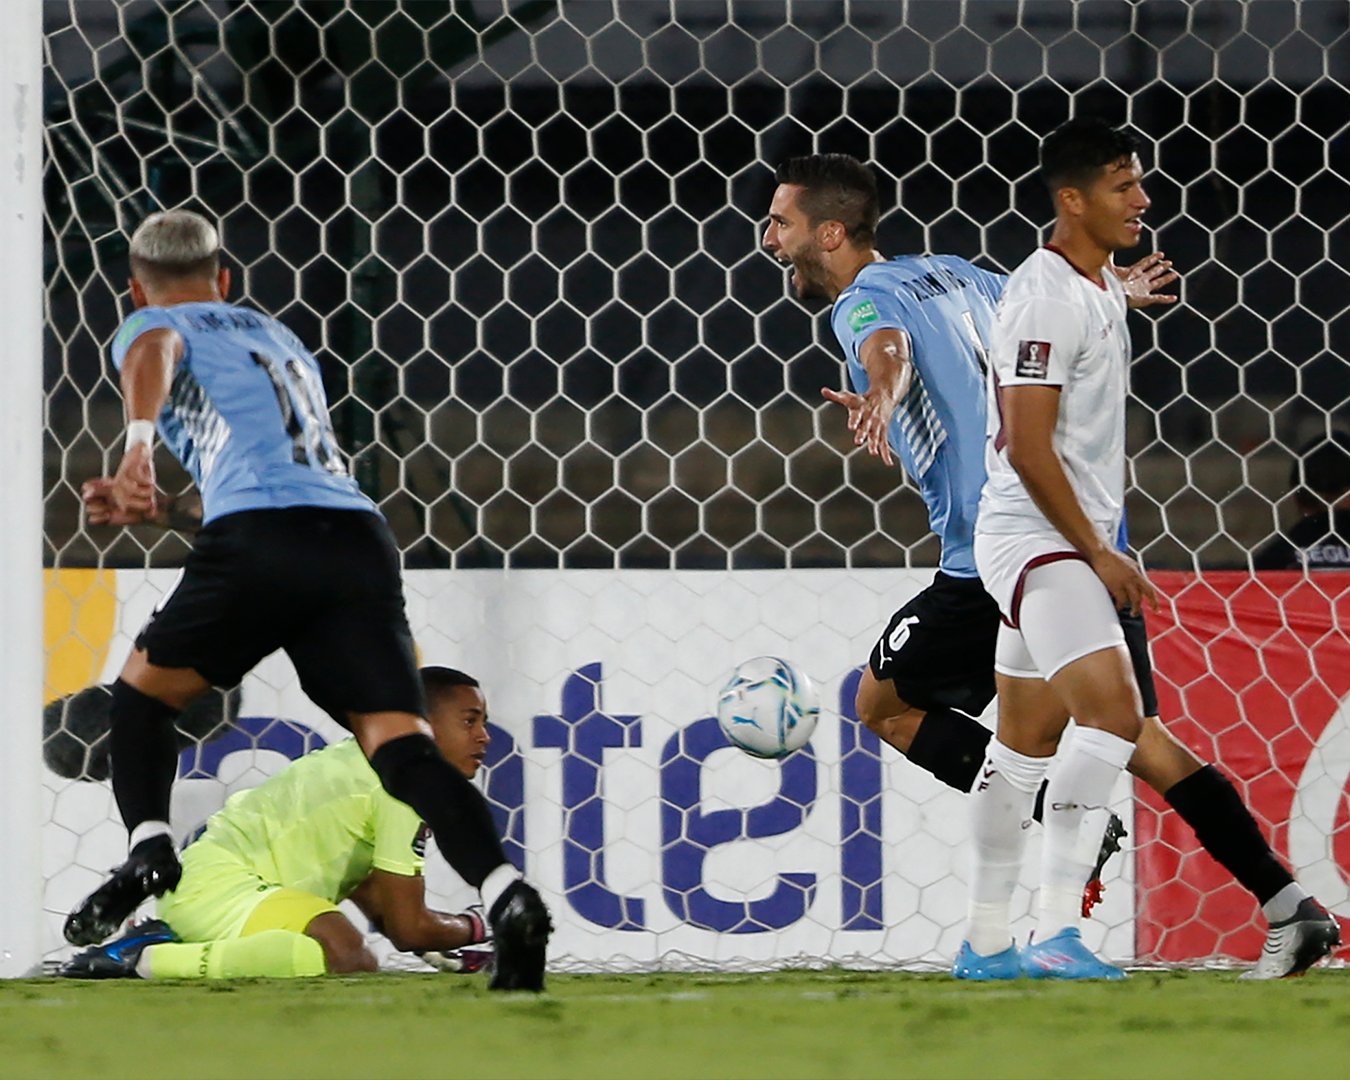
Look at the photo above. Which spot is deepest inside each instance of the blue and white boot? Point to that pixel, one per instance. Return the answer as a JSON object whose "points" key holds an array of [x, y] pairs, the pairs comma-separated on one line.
{"points": [[1001, 965], [118, 958], [1064, 956]]}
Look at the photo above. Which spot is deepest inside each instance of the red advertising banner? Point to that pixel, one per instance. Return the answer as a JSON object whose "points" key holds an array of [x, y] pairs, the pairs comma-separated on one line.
{"points": [[1253, 674]]}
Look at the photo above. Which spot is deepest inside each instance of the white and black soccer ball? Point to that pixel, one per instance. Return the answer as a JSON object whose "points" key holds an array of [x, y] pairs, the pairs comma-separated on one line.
{"points": [[768, 707]]}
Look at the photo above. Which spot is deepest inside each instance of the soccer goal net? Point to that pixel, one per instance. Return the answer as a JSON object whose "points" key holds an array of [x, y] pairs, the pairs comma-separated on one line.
{"points": [[523, 239]]}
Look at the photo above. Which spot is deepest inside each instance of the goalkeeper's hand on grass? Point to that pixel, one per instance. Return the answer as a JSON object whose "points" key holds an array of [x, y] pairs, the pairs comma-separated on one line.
{"points": [[476, 954], [465, 961]]}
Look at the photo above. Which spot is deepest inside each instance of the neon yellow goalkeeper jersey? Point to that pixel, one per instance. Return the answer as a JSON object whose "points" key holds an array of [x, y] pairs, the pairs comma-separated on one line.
{"points": [[320, 825]]}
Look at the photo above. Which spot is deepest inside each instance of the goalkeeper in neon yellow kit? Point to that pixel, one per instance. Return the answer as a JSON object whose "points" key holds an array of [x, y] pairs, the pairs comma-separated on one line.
{"points": [[260, 886]]}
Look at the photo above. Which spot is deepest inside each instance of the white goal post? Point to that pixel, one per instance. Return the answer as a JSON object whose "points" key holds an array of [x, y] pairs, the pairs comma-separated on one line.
{"points": [[21, 413], [522, 236]]}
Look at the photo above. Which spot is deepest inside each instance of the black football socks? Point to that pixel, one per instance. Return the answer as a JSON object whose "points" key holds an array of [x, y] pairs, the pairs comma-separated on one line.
{"points": [[413, 771]]}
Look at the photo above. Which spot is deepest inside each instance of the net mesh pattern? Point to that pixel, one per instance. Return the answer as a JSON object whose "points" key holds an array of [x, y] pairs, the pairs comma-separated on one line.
{"points": [[523, 240]]}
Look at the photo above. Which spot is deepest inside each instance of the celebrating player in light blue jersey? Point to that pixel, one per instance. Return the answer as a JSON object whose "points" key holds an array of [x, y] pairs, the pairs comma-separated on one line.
{"points": [[914, 331], [291, 556]]}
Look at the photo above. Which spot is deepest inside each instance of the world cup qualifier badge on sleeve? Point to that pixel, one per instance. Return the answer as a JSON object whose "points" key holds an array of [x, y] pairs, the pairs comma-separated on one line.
{"points": [[862, 314], [1033, 359]]}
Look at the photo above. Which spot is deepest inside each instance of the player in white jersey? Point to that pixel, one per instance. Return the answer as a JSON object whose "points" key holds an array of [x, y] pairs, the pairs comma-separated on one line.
{"points": [[912, 330], [1044, 546]]}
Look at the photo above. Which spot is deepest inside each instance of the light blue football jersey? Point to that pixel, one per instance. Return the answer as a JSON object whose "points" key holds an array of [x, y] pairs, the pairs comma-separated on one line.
{"points": [[946, 307], [246, 414]]}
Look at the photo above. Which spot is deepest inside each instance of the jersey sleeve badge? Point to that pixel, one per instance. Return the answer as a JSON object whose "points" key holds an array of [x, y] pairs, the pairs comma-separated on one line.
{"points": [[131, 330], [419, 844], [862, 314], [1033, 359]]}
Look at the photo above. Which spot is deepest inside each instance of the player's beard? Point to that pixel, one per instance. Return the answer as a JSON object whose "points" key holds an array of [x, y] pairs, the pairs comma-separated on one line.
{"points": [[812, 281]]}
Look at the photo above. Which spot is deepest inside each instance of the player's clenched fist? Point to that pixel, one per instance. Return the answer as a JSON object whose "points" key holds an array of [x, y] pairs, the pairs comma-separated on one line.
{"points": [[133, 488]]}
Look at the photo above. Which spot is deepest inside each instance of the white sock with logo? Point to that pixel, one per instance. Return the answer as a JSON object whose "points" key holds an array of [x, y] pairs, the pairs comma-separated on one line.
{"points": [[1082, 781], [1001, 807]]}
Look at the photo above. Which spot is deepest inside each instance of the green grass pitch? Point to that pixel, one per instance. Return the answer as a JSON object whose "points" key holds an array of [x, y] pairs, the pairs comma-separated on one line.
{"points": [[796, 1024]]}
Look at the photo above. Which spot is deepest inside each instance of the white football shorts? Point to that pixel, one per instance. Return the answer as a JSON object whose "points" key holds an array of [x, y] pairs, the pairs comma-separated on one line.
{"points": [[1055, 608]]}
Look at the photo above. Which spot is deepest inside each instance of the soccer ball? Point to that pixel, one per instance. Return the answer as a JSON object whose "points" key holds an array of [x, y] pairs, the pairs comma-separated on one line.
{"points": [[768, 708]]}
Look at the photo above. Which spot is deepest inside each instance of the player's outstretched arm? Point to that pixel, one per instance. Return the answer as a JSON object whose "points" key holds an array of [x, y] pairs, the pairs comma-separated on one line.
{"points": [[1143, 279], [885, 356], [396, 904]]}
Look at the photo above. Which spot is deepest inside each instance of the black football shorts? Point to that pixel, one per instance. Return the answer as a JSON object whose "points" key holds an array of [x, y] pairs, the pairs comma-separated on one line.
{"points": [[938, 649], [324, 585]]}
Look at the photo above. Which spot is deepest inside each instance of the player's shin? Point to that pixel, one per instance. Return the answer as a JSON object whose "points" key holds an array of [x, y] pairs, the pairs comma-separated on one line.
{"points": [[413, 771], [950, 745], [274, 954], [1082, 782], [1211, 806], [144, 758], [1000, 813]]}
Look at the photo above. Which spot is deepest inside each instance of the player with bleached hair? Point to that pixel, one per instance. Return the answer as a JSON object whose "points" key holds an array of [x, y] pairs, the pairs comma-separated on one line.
{"points": [[292, 555], [914, 331], [260, 886]]}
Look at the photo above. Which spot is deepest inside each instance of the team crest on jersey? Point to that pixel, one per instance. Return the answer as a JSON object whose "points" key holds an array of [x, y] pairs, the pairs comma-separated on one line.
{"points": [[860, 316], [419, 844], [1033, 359]]}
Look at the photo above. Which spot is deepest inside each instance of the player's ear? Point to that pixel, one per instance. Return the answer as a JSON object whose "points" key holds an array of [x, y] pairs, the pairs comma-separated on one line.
{"points": [[1070, 200], [138, 299], [223, 282], [832, 235]]}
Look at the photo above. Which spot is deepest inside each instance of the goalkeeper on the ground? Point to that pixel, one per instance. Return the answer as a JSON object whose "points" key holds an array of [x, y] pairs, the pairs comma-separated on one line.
{"points": [[261, 885]]}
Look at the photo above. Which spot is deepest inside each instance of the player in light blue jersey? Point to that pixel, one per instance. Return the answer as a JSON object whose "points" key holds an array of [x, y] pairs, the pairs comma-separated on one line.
{"points": [[942, 306], [220, 419], [913, 332], [291, 556]]}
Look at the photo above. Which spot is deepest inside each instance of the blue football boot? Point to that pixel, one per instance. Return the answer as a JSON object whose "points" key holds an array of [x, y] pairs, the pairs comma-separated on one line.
{"points": [[1001, 965], [1064, 956], [117, 959]]}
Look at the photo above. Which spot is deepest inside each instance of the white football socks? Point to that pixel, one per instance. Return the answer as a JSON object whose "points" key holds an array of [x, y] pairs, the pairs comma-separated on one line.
{"points": [[1283, 906], [1082, 781], [147, 829], [496, 883], [1001, 807]]}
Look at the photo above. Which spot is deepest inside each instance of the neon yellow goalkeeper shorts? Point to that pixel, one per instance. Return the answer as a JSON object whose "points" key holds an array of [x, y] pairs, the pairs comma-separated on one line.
{"points": [[219, 898]]}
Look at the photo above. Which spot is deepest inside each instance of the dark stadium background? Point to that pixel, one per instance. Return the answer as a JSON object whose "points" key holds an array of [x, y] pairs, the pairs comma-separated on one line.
{"points": [[548, 336]]}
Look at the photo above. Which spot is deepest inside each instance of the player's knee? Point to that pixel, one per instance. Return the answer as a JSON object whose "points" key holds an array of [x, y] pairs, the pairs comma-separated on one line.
{"points": [[350, 961], [344, 947], [880, 710], [1117, 719], [347, 958]]}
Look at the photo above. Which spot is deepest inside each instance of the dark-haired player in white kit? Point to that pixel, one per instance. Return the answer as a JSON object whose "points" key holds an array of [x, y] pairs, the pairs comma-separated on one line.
{"points": [[914, 330], [292, 555]]}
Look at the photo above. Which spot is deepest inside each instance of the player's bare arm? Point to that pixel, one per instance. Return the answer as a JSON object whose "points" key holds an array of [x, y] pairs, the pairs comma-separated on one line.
{"points": [[1029, 416], [1144, 279], [396, 904], [890, 372], [147, 374]]}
